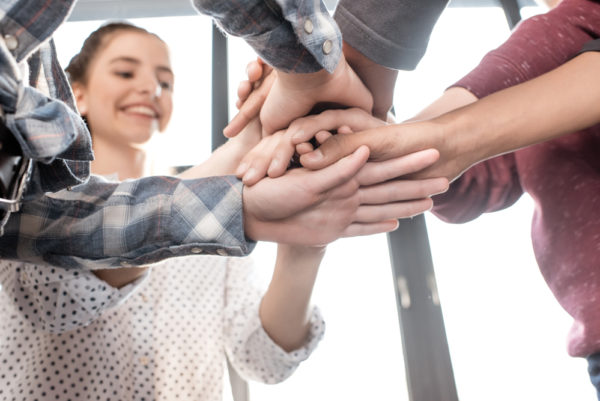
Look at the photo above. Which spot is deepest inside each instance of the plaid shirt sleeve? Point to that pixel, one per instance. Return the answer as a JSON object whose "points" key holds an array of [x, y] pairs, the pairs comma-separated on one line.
{"points": [[291, 35], [104, 224]]}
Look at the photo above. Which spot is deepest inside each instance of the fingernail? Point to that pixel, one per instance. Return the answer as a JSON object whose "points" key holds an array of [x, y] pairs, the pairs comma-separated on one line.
{"points": [[250, 175], [274, 164], [241, 169], [315, 155], [298, 135]]}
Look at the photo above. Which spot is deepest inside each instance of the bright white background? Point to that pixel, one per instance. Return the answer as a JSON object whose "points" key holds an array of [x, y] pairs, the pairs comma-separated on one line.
{"points": [[506, 332]]}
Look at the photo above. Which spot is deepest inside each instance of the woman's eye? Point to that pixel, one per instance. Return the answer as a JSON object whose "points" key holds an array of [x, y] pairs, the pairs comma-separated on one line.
{"points": [[166, 85], [124, 74]]}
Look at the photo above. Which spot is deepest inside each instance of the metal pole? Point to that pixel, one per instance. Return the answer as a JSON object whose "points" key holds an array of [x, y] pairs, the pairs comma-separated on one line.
{"points": [[512, 11], [429, 372], [220, 87]]}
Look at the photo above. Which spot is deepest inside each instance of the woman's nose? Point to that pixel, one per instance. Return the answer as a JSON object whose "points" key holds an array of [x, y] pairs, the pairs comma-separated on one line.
{"points": [[151, 86]]}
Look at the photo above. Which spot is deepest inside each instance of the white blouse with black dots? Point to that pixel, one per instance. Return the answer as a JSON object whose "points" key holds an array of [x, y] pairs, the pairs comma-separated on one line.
{"points": [[67, 335]]}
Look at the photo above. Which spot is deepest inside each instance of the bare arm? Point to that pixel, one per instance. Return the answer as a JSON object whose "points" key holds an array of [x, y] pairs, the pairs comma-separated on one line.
{"points": [[285, 307], [561, 101]]}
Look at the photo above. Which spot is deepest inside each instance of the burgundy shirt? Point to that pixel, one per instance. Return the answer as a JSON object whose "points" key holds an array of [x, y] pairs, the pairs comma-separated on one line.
{"points": [[562, 176]]}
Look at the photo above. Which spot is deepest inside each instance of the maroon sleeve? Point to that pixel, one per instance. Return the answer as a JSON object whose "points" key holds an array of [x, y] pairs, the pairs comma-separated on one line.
{"points": [[485, 187], [537, 45]]}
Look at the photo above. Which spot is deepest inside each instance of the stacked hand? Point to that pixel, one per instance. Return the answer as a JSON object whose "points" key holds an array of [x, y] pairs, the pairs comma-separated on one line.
{"points": [[282, 97], [351, 197], [333, 197]]}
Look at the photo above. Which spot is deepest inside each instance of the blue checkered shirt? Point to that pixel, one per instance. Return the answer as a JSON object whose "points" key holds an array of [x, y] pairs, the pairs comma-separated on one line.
{"points": [[95, 223], [291, 35]]}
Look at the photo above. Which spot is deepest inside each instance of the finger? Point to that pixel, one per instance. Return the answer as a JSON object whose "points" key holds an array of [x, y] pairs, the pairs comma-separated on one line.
{"points": [[358, 229], [333, 149], [249, 109], [243, 91], [305, 128], [281, 157], [397, 210], [345, 129], [248, 160], [258, 162], [339, 172], [304, 147], [375, 172], [322, 136], [379, 141], [403, 190], [254, 71]]}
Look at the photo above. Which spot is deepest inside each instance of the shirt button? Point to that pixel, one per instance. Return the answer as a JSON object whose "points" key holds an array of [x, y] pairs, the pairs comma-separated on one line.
{"points": [[327, 46], [144, 297], [11, 42], [125, 264], [222, 252], [144, 360], [308, 26], [196, 250], [24, 277]]}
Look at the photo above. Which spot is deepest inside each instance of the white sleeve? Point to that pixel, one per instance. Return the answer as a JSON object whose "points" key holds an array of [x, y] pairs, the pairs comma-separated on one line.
{"points": [[55, 299], [250, 349]]}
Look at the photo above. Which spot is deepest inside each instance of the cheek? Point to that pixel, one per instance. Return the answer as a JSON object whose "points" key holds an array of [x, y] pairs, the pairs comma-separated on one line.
{"points": [[167, 110]]}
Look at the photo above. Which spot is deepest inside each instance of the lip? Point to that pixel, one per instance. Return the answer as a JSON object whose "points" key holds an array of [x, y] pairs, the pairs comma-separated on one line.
{"points": [[141, 109]]}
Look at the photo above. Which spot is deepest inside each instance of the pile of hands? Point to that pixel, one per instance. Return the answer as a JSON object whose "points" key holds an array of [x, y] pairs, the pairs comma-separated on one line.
{"points": [[355, 173]]}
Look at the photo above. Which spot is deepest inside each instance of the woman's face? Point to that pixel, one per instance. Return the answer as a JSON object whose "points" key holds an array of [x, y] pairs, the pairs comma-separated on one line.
{"points": [[128, 95]]}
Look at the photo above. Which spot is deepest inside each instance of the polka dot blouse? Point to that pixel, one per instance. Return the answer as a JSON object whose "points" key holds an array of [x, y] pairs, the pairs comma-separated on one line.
{"points": [[67, 335]]}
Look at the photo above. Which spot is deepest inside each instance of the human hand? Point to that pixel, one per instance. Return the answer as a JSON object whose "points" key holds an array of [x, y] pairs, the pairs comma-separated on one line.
{"points": [[379, 80], [391, 141], [273, 154], [251, 95], [282, 97], [348, 198]]}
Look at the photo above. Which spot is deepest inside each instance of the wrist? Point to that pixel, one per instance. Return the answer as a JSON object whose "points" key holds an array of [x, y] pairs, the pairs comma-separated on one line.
{"points": [[463, 140], [307, 81]]}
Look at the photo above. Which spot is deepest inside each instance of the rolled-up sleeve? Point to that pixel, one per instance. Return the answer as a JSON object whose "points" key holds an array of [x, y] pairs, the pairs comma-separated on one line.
{"points": [[392, 33], [249, 348], [133, 223], [291, 35]]}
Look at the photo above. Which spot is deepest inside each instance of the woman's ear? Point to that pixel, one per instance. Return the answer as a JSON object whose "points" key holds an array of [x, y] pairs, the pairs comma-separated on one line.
{"points": [[80, 97]]}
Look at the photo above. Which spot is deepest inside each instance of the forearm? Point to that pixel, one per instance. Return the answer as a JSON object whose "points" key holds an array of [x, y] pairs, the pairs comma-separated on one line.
{"points": [[133, 223], [451, 99], [285, 307], [222, 161], [561, 101]]}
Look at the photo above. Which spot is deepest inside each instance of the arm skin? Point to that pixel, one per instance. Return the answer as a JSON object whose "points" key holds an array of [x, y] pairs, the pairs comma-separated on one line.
{"points": [[379, 79], [561, 101], [285, 307]]}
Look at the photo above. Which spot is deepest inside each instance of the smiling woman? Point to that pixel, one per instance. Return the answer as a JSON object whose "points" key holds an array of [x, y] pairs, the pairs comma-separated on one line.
{"points": [[158, 333], [124, 91]]}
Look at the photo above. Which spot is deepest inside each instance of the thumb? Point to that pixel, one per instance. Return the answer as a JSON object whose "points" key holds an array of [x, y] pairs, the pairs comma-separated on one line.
{"points": [[341, 171], [382, 142], [332, 150]]}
